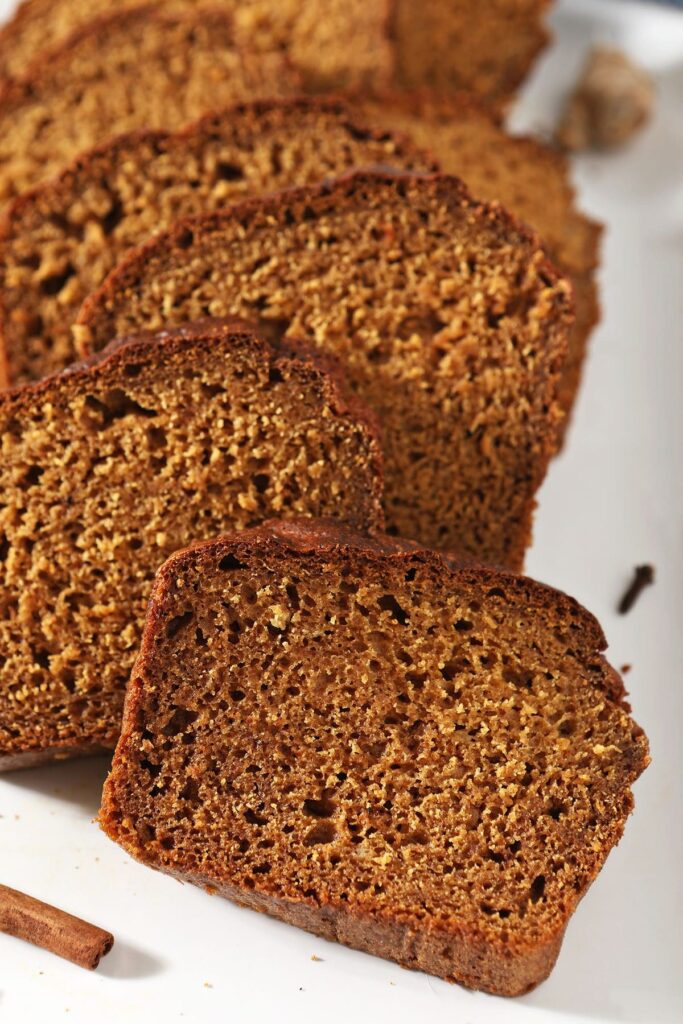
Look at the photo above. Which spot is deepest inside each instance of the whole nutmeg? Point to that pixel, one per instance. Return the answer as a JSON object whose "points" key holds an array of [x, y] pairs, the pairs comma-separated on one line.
{"points": [[612, 100]]}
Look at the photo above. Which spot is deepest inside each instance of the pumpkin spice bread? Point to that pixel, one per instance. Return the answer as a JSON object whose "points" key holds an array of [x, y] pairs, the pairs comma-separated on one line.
{"points": [[145, 67], [109, 467], [529, 178], [59, 241], [425, 760], [486, 48], [449, 320]]}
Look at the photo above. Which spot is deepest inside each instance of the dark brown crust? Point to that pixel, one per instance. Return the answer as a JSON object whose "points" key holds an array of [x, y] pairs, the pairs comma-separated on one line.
{"points": [[540, 153], [510, 969], [472, 962], [5, 380], [297, 356], [12, 31]]}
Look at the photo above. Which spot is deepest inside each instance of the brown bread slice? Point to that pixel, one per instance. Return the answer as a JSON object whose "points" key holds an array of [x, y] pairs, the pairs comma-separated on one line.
{"points": [[143, 68], [59, 241], [529, 178], [445, 312], [332, 42], [422, 759], [109, 467], [486, 48]]}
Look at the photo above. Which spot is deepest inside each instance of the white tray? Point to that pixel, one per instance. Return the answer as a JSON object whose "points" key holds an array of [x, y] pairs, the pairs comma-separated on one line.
{"points": [[612, 500]]}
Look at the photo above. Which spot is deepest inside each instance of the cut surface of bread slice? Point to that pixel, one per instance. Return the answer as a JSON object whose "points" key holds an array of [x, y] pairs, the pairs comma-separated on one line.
{"points": [[59, 241], [335, 44], [486, 48], [425, 760], [142, 68], [108, 468], [529, 179], [448, 318]]}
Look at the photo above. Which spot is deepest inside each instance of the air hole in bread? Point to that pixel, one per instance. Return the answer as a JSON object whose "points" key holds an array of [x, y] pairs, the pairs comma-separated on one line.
{"points": [[177, 623]]}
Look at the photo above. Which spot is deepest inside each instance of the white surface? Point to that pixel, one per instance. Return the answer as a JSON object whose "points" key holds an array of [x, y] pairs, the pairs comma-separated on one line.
{"points": [[612, 500]]}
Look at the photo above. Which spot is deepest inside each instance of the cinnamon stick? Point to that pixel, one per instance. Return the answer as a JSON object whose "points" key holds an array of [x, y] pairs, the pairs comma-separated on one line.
{"points": [[52, 929]]}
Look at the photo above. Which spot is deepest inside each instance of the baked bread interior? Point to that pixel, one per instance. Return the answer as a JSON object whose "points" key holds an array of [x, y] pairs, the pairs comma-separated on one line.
{"points": [[530, 179], [445, 312], [486, 48], [422, 759], [335, 43], [108, 468], [60, 240], [148, 67]]}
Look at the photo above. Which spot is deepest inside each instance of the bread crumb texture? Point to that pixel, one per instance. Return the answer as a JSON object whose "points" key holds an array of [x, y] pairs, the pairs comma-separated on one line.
{"points": [[423, 760], [60, 241], [108, 469], [446, 314], [486, 48], [141, 68], [530, 179]]}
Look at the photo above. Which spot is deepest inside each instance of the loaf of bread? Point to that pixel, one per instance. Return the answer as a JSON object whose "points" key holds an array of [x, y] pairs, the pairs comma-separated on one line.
{"points": [[59, 241], [529, 178], [109, 467], [143, 68], [449, 319], [445, 44], [424, 760]]}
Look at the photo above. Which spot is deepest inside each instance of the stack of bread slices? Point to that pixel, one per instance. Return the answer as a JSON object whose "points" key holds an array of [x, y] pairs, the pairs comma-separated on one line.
{"points": [[229, 298]]}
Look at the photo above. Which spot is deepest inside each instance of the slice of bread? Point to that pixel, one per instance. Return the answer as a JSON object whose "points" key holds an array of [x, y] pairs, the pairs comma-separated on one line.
{"points": [[335, 43], [424, 760], [145, 67], [528, 178], [109, 467], [487, 48], [449, 319], [59, 241]]}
